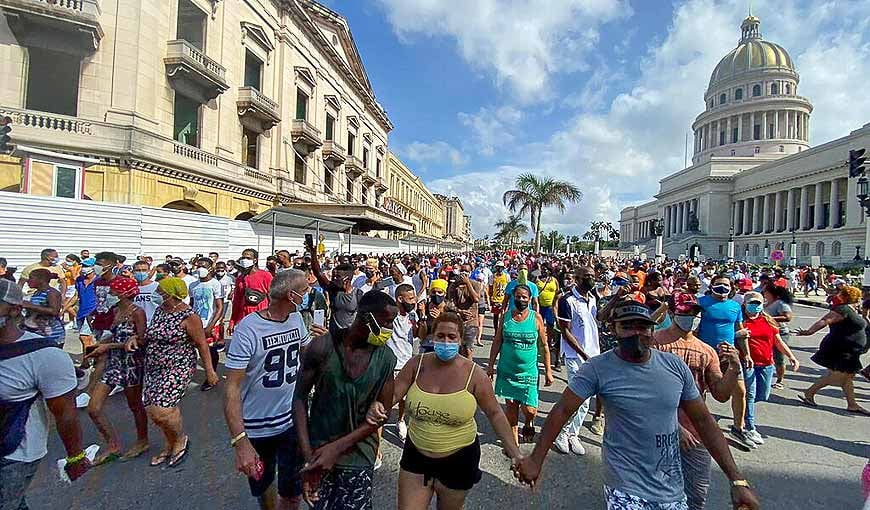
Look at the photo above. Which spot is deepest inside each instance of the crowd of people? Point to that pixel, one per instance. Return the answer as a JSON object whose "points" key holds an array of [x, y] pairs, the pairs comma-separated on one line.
{"points": [[318, 350]]}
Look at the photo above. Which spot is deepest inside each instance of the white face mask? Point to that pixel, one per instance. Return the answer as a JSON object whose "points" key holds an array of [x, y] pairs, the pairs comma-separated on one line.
{"points": [[687, 322], [202, 272], [246, 263]]}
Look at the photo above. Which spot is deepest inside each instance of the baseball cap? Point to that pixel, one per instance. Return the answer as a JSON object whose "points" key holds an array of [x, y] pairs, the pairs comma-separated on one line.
{"points": [[753, 297], [685, 304], [745, 284], [631, 311], [10, 293], [499, 264]]}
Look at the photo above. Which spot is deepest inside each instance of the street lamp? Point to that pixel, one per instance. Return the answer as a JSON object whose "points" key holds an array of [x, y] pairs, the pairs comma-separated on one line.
{"points": [[658, 229], [792, 249], [766, 251], [731, 243], [863, 194]]}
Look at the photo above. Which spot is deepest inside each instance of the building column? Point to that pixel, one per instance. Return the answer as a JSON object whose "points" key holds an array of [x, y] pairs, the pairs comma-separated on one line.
{"points": [[735, 218], [764, 125], [805, 208], [680, 215], [747, 216], [820, 213], [765, 212], [776, 133], [674, 213], [777, 212], [740, 128], [728, 130], [806, 127], [752, 126], [789, 210], [835, 203]]}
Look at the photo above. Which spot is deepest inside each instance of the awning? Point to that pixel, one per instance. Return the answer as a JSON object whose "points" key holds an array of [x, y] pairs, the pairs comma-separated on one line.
{"points": [[289, 217], [363, 217]]}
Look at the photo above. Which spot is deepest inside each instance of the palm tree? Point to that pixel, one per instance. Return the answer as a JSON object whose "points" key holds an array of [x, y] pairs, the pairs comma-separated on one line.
{"points": [[555, 240], [511, 229], [533, 194]]}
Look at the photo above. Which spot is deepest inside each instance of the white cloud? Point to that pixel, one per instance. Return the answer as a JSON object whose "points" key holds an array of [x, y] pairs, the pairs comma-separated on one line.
{"points": [[521, 42], [435, 152], [492, 128], [618, 152]]}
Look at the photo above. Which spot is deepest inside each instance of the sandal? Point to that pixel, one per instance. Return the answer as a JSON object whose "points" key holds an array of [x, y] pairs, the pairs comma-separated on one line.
{"points": [[134, 452], [178, 458], [107, 458], [806, 400], [159, 459], [860, 410]]}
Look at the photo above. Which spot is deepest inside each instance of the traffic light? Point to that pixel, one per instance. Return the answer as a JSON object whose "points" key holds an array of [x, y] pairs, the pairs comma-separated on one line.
{"points": [[856, 162], [5, 135]]}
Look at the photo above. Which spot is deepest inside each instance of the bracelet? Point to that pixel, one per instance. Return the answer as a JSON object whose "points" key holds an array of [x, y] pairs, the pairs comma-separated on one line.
{"points": [[234, 441], [741, 483], [75, 459]]}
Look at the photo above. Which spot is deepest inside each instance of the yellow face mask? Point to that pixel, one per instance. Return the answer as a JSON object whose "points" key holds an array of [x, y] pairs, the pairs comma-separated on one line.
{"points": [[523, 276], [378, 336]]}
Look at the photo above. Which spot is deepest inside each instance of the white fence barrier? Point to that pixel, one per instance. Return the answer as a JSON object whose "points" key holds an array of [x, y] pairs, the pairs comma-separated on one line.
{"points": [[28, 224]]}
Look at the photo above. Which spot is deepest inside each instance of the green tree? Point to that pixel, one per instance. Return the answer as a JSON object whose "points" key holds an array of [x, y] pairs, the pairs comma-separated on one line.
{"points": [[554, 241], [511, 229], [533, 194]]}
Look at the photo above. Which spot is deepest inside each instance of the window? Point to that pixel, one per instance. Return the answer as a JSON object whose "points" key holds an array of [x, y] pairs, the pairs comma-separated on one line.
{"points": [[49, 180], [826, 215], [299, 170], [756, 132], [721, 250], [770, 132], [805, 249], [788, 89], [301, 105], [253, 71], [191, 24], [820, 248], [186, 122], [52, 82], [364, 195], [710, 104], [836, 248], [365, 158], [351, 143], [733, 152], [328, 180], [722, 98], [330, 127], [755, 250], [841, 220], [378, 167], [774, 89], [734, 135], [349, 192], [756, 90], [782, 148], [721, 137], [757, 150], [250, 146], [738, 94]]}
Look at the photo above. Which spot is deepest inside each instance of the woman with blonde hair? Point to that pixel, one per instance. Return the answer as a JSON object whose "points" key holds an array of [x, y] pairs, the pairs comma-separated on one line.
{"points": [[840, 350], [763, 340]]}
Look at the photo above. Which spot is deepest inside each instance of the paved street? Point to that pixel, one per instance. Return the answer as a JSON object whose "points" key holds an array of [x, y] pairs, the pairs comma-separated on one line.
{"points": [[813, 459]]}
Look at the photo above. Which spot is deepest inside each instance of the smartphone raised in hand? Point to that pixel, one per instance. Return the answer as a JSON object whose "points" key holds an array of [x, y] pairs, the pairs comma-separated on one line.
{"points": [[309, 240], [319, 318]]}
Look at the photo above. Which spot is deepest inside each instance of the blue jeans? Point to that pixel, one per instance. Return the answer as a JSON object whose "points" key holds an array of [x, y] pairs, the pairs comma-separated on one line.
{"points": [[758, 380]]}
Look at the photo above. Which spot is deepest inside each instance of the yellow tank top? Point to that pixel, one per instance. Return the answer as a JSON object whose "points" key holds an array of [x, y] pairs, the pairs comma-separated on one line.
{"points": [[547, 291], [441, 422], [499, 282]]}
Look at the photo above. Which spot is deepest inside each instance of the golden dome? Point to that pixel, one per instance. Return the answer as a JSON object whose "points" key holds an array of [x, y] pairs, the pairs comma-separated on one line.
{"points": [[752, 54]]}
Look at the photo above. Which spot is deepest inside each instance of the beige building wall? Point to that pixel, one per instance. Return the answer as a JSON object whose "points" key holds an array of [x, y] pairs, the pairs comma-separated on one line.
{"points": [[409, 198]]}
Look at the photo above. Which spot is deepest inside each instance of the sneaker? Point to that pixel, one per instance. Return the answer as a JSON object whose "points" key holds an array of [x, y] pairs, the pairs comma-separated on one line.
{"points": [[83, 400], [777, 386], [403, 430], [754, 436], [740, 436], [116, 390], [562, 445], [597, 427], [576, 446]]}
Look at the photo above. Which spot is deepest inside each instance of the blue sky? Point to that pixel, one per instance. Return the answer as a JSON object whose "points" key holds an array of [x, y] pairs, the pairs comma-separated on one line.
{"points": [[598, 92]]}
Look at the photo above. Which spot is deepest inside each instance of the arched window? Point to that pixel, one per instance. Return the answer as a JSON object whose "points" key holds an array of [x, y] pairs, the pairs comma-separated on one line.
{"points": [[755, 250], [805, 249], [782, 148], [820, 248], [711, 104], [757, 150], [722, 98], [788, 89], [738, 94], [733, 152], [774, 89], [756, 90], [836, 247]]}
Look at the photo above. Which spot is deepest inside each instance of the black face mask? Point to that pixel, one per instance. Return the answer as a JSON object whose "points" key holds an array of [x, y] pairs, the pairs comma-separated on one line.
{"points": [[407, 307], [521, 306], [436, 299], [631, 347], [586, 283]]}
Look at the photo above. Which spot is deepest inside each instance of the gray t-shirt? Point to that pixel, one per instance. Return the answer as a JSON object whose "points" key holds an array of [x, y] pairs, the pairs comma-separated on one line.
{"points": [[641, 441], [776, 309]]}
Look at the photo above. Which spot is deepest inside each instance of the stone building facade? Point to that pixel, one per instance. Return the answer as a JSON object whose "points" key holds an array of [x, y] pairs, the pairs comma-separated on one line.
{"points": [[409, 198], [220, 106]]}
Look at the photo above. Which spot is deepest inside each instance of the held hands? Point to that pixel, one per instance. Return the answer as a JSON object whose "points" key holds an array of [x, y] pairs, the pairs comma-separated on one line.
{"points": [[323, 458], [376, 414], [526, 470]]}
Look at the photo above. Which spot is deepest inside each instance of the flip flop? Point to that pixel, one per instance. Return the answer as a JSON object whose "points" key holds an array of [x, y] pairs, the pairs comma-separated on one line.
{"points": [[807, 401], [860, 410], [179, 457], [132, 454], [107, 458], [159, 459]]}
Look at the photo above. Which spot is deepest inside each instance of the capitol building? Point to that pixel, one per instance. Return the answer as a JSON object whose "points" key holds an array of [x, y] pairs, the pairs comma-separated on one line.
{"points": [[754, 177]]}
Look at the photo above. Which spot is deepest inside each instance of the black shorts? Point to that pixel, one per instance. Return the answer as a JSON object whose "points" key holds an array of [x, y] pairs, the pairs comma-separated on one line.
{"points": [[278, 452], [459, 471]]}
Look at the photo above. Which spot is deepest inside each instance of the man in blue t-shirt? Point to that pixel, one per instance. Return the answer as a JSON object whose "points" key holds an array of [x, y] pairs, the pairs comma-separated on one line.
{"points": [[644, 389], [722, 322], [522, 278]]}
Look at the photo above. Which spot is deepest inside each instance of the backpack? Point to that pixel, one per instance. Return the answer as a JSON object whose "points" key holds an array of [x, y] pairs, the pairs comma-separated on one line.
{"points": [[13, 415]]}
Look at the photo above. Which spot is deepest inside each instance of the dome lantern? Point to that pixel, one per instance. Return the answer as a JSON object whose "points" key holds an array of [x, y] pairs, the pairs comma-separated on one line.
{"points": [[751, 28]]}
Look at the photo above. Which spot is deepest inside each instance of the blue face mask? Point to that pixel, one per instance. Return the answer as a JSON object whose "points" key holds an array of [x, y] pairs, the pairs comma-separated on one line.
{"points": [[446, 351], [753, 308], [305, 299], [140, 276]]}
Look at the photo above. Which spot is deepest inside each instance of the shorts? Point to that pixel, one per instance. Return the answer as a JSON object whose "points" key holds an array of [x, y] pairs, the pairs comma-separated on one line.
{"points": [[548, 316], [278, 453], [84, 326], [496, 309], [470, 336], [459, 471], [346, 489], [481, 310], [15, 478], [778, 357], [618, 500]]}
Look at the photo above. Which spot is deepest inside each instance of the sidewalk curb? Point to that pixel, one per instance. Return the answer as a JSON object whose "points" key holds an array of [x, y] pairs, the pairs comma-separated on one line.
{"points": [[808, 302]]}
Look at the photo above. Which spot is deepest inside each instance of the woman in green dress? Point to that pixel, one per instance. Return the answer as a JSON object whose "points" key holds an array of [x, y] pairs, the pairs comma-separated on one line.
{"points": [[519, 338]]}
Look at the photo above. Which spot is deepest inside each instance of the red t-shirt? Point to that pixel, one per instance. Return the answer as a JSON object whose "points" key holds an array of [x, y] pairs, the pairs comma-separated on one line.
{"points": [[258, 280], [762, 340], [103, 315]]}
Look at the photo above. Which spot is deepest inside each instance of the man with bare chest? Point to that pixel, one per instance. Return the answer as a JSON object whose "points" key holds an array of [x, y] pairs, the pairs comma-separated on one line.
{"points": [[348, 370]]}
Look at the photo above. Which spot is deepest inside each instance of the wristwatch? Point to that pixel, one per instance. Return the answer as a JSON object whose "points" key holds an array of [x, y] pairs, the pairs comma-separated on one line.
{"points": [[741, 483]]}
